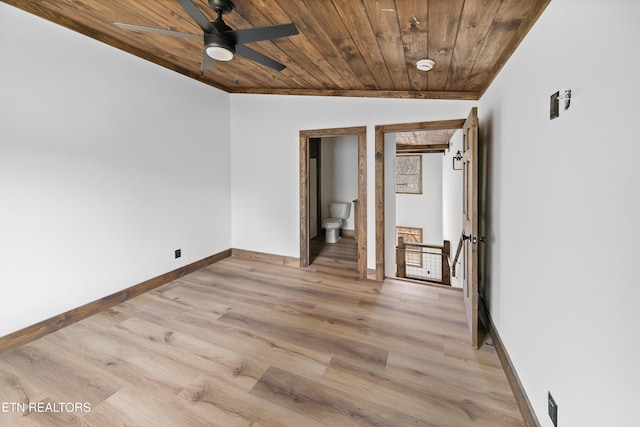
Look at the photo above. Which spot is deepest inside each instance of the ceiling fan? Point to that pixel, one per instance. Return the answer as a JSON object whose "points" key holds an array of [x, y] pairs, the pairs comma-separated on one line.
{"points": [[220, 41]]}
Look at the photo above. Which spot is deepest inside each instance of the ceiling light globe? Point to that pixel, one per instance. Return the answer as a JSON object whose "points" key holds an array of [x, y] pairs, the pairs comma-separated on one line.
{"points": [[219, 53]]}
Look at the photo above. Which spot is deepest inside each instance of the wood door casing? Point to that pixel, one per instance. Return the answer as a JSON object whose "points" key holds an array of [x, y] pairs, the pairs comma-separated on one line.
{"points": [[380, 131], [305, 136]]}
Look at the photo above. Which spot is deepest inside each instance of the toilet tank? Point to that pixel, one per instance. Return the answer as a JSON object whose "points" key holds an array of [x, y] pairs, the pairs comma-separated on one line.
{"points": [[339, 209]]}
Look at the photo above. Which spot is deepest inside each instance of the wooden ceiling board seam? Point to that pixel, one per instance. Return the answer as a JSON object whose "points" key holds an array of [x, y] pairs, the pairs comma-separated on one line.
{"points": [[367, 45], [508, 19], [334, 64], [384, 21], [413, 19], [330, 21], [443, 23], [352, 56], [300, 59], [474, 27], [331, 60], [172, 18]]}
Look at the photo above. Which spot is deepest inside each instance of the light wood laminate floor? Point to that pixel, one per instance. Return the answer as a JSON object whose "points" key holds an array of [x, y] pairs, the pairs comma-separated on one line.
{"points": [[245, 343]]}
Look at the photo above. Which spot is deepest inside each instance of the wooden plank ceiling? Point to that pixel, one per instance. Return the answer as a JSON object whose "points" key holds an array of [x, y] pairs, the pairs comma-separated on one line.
{"points": [[424, 142], [345, 47]]}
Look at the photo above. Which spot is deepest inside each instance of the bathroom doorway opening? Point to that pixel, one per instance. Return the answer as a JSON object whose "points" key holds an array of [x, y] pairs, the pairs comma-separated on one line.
{"points": [[310, 203]]}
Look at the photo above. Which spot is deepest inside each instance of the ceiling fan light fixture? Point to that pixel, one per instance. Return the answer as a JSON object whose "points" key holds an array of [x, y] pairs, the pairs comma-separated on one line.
{"points": [[219, 53], [219, 48], [425, 64]]}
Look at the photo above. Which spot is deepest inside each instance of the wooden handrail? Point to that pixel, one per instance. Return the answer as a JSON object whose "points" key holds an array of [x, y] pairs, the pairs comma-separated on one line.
{"points": [[424, 245], [455, 260]]}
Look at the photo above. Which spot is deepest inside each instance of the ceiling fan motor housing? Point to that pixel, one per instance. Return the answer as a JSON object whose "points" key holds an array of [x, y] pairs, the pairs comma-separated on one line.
{"points": [[225, 6], [219, 40]]}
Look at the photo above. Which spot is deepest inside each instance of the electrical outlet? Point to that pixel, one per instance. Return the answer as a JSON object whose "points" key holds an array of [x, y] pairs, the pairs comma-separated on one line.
{"points": [[178, 253], [553, 409]]}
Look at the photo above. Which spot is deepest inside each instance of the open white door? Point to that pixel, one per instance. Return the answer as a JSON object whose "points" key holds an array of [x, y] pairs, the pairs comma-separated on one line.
{"points": [[470, 222]]}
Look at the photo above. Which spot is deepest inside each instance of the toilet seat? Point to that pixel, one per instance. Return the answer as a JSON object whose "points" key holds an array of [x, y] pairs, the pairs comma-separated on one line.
{"points": [[332, 223]]}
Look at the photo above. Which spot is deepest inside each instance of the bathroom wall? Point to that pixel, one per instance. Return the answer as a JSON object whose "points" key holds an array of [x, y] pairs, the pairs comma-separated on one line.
{"points": [[424, 210], [339, 174]]}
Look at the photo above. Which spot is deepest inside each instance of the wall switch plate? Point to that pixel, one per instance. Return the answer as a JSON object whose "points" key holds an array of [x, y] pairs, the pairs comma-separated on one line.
{"points": [[178, 253], [554, 106], [567, 99], [553, 409]]}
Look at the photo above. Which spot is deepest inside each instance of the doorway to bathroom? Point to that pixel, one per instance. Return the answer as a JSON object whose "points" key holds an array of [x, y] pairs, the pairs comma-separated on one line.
{"points": [[312, 201]]}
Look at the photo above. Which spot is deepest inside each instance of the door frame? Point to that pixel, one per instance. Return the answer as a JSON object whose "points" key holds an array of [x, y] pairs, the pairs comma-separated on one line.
{"points": [[361, 133], [380, 131]]}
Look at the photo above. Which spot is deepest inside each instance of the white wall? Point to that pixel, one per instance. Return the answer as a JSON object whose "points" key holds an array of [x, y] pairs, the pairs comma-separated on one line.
{"points": [[452, 199], [339, 174], [423, 210], [265, 158], [390, 210], [560, 272], [107, 164]]}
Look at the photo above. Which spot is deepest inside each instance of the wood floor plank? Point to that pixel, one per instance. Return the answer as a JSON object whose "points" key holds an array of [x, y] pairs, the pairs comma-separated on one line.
{"points": [[54, 418], [242, 406], [195, 353], [317, 340], [131, 406], [119, 360], [263, 348], [247, 343], [361, 328], [324, 403], [441, 400], [58, 377]]}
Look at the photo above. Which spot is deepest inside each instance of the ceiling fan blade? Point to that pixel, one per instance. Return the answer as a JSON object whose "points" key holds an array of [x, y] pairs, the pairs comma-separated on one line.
{"points": [[197, 15], [157, 31], [258, 57], [207, 62], [249, 35]]}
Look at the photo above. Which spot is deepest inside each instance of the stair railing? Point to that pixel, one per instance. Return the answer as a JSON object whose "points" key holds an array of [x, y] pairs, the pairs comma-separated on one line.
{"points": [[423, 261]]}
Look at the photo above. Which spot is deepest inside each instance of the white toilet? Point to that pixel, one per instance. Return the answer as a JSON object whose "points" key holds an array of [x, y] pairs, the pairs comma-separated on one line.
{"points": [[339, 211]]}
